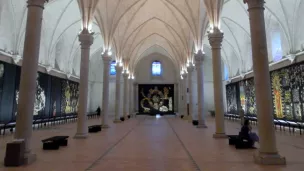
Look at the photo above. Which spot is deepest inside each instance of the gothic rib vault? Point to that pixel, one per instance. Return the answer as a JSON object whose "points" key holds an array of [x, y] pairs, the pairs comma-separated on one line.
{"points": [[133, 29]]}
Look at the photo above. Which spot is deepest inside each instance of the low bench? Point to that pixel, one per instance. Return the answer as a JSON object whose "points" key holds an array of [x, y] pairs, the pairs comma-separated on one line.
{"points": [[53, 143], [94, 128]]}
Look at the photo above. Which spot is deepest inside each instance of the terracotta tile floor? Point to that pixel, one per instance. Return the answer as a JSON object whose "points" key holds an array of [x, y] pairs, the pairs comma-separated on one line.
{"points": [[150, 144]]}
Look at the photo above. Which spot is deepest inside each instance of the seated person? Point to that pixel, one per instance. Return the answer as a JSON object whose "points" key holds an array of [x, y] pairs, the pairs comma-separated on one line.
{"points": [[246, 133]]}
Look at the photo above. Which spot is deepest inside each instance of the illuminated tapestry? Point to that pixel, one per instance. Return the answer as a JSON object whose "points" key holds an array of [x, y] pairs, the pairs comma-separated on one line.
{"points": [[40, 97], [231, 98], [69, 99], [156, 99], [249, 90]]}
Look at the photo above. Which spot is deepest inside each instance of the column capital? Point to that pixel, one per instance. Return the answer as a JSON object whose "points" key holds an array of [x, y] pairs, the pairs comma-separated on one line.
{"points": [[254, 4], [125, 75], [86, 39], [216, 39], [199, 58], [37, 3], [184, 75], [190, 68], [106, 58], [118, 69]]}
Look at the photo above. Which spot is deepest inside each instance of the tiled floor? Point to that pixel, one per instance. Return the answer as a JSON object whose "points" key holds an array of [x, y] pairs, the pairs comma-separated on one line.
{"points": [[150, 144]]}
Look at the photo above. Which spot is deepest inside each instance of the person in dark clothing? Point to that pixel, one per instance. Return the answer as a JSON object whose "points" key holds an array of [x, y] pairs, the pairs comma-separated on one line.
{"points": [[245, 132], [98, 111]]}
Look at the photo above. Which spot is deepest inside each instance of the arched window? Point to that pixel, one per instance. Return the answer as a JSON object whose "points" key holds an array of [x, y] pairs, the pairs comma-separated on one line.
{"points": [[226, 73], [156, 68], [276, 44], [112, 68]]}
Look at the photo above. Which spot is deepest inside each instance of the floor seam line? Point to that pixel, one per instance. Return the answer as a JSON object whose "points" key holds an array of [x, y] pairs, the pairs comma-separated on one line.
{"points": [[112, 147], [183, 145]]}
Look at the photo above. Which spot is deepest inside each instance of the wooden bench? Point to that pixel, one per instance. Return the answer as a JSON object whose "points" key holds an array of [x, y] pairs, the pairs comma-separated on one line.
{"points": [[53, 143], [94, 128]]}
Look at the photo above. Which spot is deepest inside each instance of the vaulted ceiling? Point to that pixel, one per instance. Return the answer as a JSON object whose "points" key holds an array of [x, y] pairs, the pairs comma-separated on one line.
{"points": [[133, 29]]}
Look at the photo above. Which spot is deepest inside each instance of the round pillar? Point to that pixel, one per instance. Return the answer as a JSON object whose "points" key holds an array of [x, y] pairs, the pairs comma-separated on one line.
{"points": [[86, 40], [190, 70], [215, 40], [29, 68], [125, 103], [118, 94], [199, 57], [267, 153], [105, 93]]}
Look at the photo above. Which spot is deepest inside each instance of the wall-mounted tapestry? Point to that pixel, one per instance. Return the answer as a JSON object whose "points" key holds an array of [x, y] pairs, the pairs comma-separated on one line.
{"points": [[250, 103], [69, 97], [156, 99], [47, 99], [231, 96], [287, 93]]}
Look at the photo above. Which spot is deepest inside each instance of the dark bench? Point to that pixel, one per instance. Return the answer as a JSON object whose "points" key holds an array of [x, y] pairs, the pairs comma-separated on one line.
{"points": [[53, 143], [94, 128]]}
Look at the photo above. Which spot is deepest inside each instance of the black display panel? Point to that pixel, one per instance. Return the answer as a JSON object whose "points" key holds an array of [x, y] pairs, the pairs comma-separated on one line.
{"points": [[69, 96], [48, 98], [231, 95], [156, 98]]}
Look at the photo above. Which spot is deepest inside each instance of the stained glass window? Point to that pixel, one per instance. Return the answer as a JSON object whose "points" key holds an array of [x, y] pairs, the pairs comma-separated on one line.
{"points": [[112, 68], [156, 68], [226, 72], [276, 46]]}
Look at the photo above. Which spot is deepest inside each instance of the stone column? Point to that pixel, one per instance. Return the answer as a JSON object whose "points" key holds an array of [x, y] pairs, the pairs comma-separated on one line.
{"points": [[180, 100], [86, 40], [131, 99], [105, 93], [267, 153], [184, 96], [190, 70], [125, 102], [29, 68], [199, 57], [215, 40], [118, 94]]}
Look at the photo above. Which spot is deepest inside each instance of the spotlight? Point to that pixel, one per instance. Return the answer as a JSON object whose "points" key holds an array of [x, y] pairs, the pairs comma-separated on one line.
{"points": [[109, 53]]}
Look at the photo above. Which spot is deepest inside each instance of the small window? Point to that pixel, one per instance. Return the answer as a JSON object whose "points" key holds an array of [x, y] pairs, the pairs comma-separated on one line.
{"points": [[112, 68], [226, 73], [156, 68]]}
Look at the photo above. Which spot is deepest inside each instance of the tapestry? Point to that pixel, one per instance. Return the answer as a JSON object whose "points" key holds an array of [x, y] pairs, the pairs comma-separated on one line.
{"points": [[40, 97], [231, 96], [69, 97], [55, 101], [156, 99], [288, 92], [249, 91]]}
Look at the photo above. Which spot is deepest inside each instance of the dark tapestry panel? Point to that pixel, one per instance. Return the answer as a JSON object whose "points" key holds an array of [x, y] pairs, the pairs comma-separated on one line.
{"points": [[69, 96], [288, 92], [55, 104], [231, 95], [248, 96], [41, 97], [156, 98]]}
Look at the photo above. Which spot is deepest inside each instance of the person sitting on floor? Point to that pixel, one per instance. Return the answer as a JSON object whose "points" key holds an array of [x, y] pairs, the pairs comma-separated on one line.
{"points": [[246, 133]]}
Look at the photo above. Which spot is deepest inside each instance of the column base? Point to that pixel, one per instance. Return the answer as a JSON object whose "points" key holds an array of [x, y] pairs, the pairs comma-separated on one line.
{"points": [[117, 121], [29, 158], [220, 135], [202, 124], [269, 159], [81, 136], [105, 126]]}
